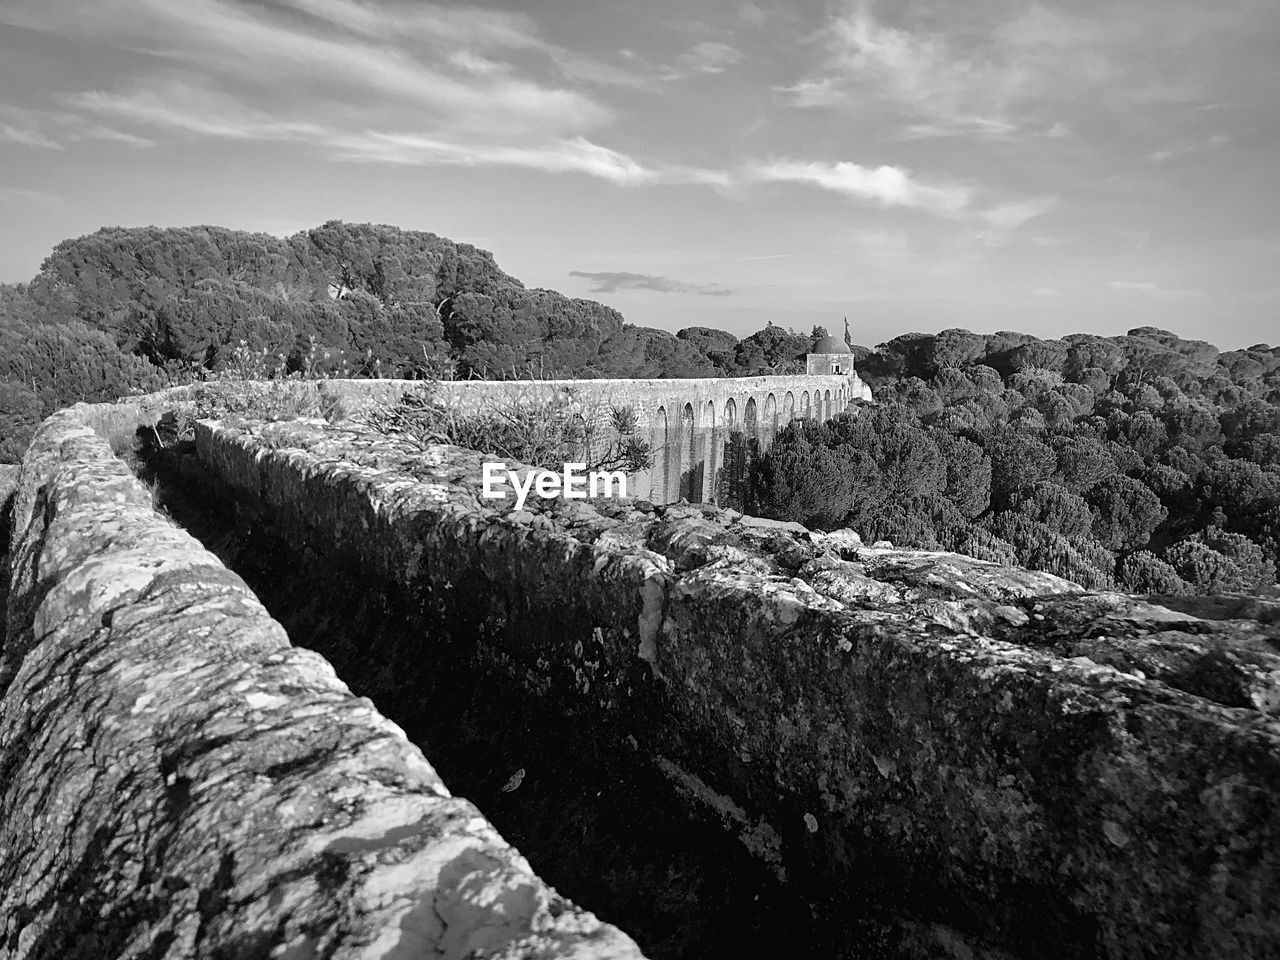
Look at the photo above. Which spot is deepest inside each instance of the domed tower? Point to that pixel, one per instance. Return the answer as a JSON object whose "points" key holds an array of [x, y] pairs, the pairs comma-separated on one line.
{"points": [[831, 357], [828, 356]]}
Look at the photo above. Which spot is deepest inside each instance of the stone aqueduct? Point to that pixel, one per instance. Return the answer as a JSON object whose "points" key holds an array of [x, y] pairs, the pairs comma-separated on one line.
{"points": [[703, 432], [730, 736]]}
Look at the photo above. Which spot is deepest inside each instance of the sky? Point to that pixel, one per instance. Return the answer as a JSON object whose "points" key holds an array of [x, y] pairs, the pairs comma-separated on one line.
{"points": [[1052, 168]]}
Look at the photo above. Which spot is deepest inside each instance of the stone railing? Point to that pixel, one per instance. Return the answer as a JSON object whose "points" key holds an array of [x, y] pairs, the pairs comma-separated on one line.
{"points": [[1050, 770], [178, 780], [998, 761]]}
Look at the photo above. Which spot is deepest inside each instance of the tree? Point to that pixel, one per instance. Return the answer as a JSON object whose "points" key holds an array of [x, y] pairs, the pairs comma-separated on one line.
{"points": [[1058, 509], [1207, 570], [1017, 461], [19, 416], [1125, 512], [968, 484], [800, 480], [1143, 572]]}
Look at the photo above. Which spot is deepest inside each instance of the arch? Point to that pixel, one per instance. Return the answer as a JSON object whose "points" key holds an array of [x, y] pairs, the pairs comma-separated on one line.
{"points": [[661, 468], [710, 445], [688, 473], [788, 407], [730, 414], [826, 404], [805, 410], [750, 424], [769, 427]]}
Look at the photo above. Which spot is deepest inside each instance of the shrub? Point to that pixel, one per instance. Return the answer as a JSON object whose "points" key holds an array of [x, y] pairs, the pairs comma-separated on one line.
{"points": [[524, 427]]}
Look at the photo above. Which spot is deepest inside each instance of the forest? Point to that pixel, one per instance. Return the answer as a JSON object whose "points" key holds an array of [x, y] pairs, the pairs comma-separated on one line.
{"points": [[1144, 461]]}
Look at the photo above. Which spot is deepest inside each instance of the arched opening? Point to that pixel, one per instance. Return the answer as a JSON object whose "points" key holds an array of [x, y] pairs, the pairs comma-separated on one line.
{"points": [[826, 404], [805, 410], [689, 474], [788, 408], [711, 458], [730, 414], [770, 426], [658, 484], [750, 425]]}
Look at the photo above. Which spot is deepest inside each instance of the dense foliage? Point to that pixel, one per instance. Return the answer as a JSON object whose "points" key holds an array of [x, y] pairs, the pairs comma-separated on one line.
{"points": [[124, 310], [1145, 461]]}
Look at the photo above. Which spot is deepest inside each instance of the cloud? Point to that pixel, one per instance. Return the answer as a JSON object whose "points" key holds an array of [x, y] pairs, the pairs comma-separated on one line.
{"points": [[187, 109], [54, 129], [199, 113], [985, 73], [562, 156], [1169, 153], [27, 137], [709, 56], [1010, 216], [613, 281], [346, 56], [752, 14], [890, 186], [1133, 286], [886, 185]]}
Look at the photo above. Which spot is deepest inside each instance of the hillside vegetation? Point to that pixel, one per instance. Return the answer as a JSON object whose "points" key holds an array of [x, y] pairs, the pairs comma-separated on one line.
{"points": [[125, 310], [1142, 461]]}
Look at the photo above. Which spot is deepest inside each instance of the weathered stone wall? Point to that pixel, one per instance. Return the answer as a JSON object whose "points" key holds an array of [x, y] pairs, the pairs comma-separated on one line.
{"points": [[1004, 763], [177, 780], [1005, 760]]}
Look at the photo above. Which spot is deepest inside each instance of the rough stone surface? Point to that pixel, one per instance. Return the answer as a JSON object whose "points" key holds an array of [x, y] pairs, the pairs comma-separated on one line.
{"points": [[177, 780], [8, 480], [1001, 750]]}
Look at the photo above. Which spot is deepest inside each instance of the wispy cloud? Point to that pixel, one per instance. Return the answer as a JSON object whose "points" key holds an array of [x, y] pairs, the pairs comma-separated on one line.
{"points": [[886, 185], [348, 55], [613, 281], [193, 110], [27, 137], [710, 56], [986, 74], [890, 186], [196, 112], [577, 155], [54, 129], [752, 14], [1010, 216], [1182, 150]]}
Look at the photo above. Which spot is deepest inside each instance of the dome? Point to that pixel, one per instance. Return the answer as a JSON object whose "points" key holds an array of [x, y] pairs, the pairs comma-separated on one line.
{"points": [[830, 345]]}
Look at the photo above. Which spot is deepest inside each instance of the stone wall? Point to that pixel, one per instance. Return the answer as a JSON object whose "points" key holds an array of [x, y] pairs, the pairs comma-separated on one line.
{"points": [[178, 780], [1001, 759], [1002, 763]]}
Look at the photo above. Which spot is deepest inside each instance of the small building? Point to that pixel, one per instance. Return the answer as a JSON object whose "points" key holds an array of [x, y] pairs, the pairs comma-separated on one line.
{"points": [[828, 356], [831, 357]]}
